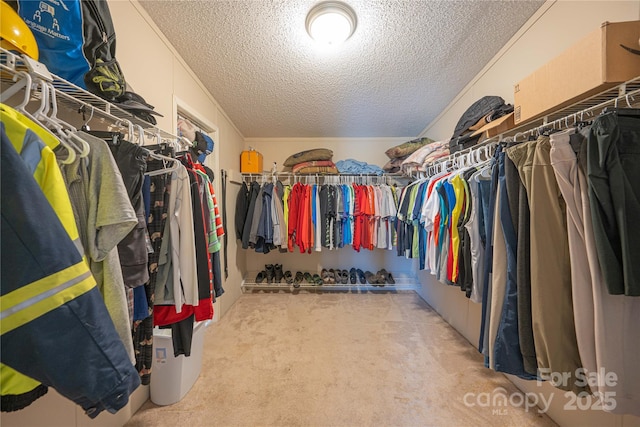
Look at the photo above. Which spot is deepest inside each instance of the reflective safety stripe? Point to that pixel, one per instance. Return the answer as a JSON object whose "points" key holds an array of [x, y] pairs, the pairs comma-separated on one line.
{"points": [[35, 299], [13, 382], [78, 244]]}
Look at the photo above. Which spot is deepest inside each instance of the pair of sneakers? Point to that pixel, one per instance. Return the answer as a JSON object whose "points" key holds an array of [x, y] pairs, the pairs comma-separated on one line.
{"points": [[333, 277], [381, 278]]}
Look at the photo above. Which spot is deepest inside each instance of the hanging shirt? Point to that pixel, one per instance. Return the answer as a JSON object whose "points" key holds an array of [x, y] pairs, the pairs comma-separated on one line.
{"points": [[104, 217]]}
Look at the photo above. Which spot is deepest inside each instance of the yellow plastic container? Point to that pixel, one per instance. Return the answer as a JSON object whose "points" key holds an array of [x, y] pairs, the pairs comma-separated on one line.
{"points": [[251, 161]]}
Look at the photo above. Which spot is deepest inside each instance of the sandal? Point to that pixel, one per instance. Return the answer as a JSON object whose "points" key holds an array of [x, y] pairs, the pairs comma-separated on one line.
{"points": [[332, 277], [345, 277], [325, 276], [390, 279], [308, 277], [298, 279], [371, 278], [381, 278], [317, 280], [288, 277]]}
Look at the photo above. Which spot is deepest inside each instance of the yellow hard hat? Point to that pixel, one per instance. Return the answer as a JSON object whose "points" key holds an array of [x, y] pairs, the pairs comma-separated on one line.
{"points": [[14, 33]]}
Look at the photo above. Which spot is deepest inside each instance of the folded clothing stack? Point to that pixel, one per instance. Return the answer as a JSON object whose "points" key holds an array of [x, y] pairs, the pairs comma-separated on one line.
{"points": [[399, 153], [317, 160], [423, 157], [357, 167]]}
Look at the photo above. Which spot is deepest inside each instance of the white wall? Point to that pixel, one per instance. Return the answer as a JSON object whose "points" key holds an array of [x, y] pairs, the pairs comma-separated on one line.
{"points": [[370, 150], [555, 27]]}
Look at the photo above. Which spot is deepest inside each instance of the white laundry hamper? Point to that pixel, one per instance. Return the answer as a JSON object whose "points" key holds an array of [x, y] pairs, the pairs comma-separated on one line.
{"points": [[172, 377]]}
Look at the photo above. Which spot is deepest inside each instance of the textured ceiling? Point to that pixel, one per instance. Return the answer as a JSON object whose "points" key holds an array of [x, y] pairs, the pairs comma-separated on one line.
{"points": [[406, 61]]}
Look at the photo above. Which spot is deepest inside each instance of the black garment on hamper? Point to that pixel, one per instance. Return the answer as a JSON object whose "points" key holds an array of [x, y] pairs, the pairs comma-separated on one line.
{"points": [[246, 229], [143, 329], [182, 336], [613, 153], [242, 207], [131, 161]]}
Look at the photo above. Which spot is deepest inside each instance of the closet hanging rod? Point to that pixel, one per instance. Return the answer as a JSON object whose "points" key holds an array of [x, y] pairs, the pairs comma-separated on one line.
{"points": [[394, 178], [624, 95], [76, 97]]}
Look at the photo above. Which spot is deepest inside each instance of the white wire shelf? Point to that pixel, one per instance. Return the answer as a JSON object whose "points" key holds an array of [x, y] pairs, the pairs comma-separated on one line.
{"points": [[70, 95], [624, 95], [403, 284]]}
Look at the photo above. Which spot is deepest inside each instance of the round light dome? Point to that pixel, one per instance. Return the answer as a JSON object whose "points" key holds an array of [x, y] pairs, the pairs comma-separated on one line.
{"points": [[331, 22]]}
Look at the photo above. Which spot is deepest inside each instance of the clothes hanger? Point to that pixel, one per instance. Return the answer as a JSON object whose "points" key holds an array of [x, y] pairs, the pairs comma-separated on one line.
{"points": [[27, 82], [83, 148], [85, 125], [175, 163], [22, 79]]}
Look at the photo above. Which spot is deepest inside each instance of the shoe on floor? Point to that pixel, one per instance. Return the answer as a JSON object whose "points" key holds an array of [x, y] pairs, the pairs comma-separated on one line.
{"points": [[325, 276], [381, 278], [277, 273], [261, 276], [371, 278], [345, 277], [332, 277], [390, 279], [270, 272], [288, 277], [298, 279], [352, 276]]}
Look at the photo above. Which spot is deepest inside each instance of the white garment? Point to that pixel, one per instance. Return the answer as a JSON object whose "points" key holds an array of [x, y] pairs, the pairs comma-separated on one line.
{"points": [[277, 230], [183, 246], [427, 215]]}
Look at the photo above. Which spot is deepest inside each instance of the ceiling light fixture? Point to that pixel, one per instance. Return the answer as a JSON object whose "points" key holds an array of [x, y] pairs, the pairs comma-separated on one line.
{"points": [[331, 22]]}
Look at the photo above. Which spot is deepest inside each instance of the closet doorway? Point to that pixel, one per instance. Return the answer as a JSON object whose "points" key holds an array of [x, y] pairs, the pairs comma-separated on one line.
{"points": [[183, 111]]}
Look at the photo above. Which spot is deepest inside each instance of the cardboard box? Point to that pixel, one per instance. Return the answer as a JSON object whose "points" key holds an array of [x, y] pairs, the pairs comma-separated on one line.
{"points": [[250, 162], [597, 62], [496, 127]]}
